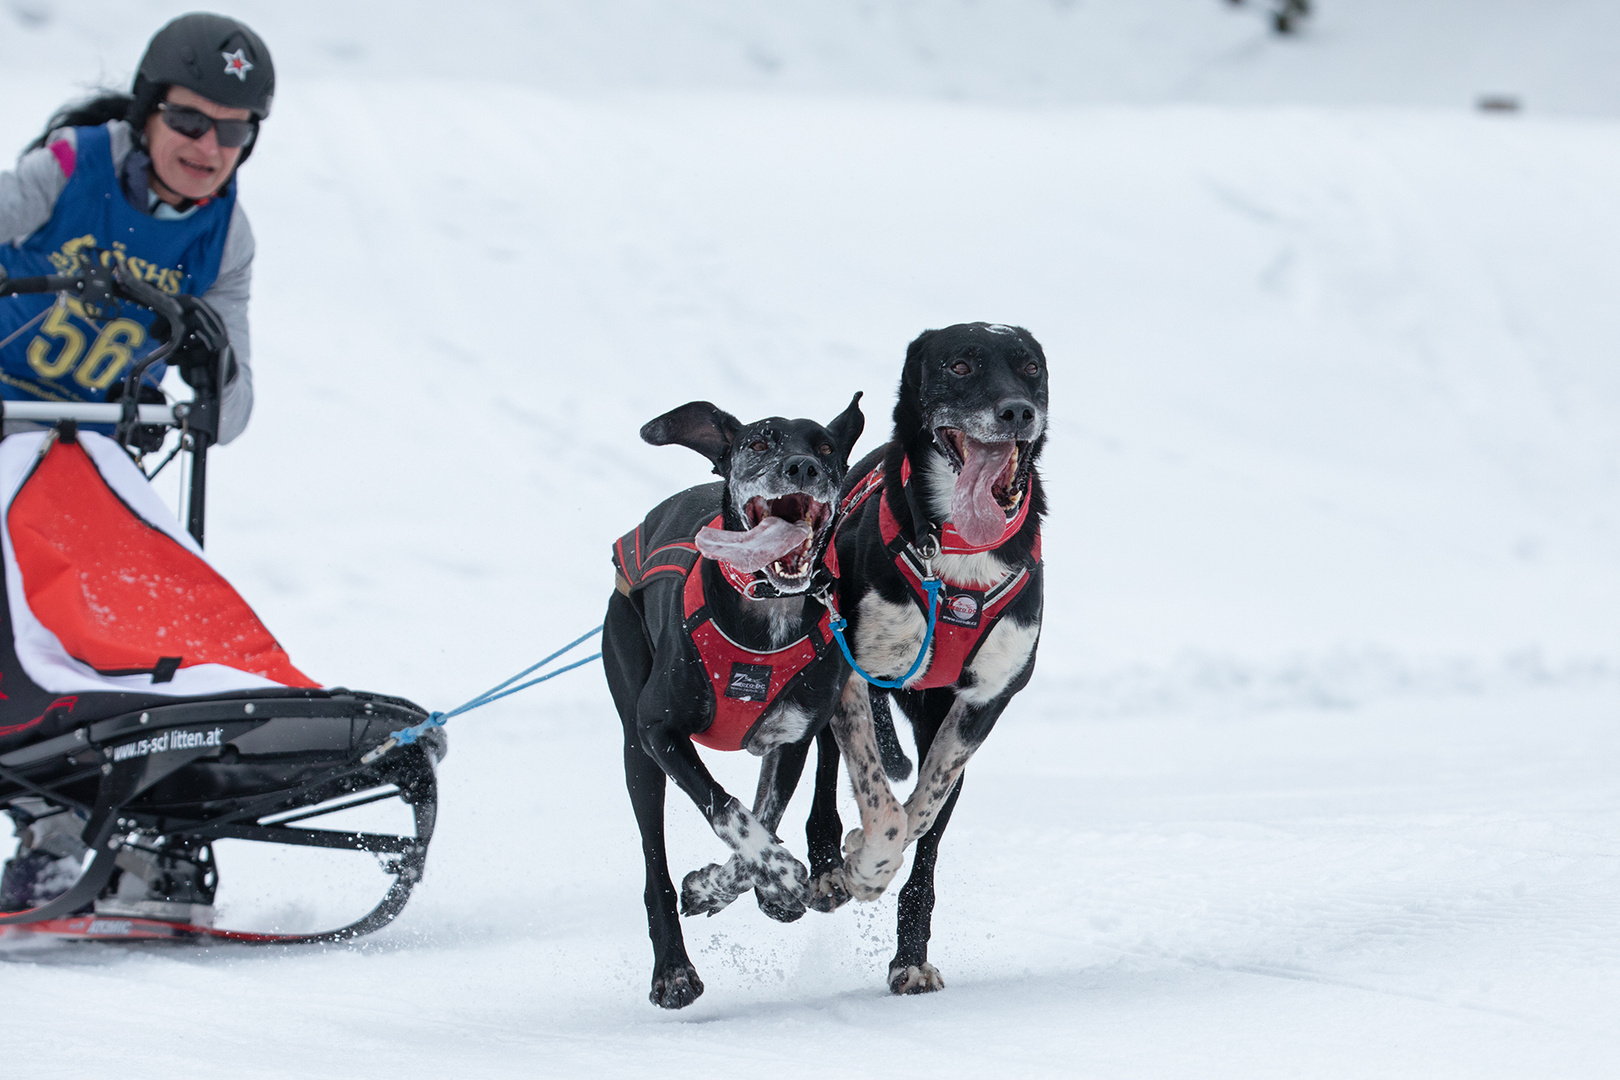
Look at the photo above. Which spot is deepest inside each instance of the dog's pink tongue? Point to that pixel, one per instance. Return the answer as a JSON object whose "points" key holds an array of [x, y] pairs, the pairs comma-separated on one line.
{"points": [[758, 547], [974, 512]]}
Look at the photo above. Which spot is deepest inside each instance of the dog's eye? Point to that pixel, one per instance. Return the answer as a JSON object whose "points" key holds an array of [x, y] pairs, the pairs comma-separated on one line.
{"points": [[1032, 368], [962, 367], [824, 449], [759, 446]]}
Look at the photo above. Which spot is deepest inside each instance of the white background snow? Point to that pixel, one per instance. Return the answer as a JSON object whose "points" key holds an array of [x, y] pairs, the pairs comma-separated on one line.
{"points": [[1320, 771]]}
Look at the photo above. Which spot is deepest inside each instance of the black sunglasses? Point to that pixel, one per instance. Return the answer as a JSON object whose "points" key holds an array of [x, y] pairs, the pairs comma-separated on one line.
{"points": [[194, 124]]}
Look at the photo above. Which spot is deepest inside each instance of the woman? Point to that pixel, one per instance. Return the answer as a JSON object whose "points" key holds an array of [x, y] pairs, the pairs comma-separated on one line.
{"points": [[145, 179]]}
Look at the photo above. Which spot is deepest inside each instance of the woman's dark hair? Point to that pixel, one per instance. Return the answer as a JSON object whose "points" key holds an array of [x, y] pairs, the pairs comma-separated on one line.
{"points": [[93, 111]]}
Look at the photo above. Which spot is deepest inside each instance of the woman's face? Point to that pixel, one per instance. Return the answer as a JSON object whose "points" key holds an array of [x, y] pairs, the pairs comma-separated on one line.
{"points": [[190, 168]]}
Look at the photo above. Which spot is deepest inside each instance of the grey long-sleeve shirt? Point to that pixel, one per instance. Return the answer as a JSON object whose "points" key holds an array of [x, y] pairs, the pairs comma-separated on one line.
{"points": [[28, 195]]}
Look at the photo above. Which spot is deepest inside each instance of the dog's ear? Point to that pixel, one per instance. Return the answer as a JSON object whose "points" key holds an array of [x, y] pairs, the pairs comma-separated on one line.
{"points": [[698, 425], [907, 408], [911, 370], [846, 429], [1029, 339]]}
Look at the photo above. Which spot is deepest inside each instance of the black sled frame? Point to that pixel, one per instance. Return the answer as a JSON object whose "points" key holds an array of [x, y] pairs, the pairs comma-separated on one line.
{"points": [[241, 767], [149, 772]]}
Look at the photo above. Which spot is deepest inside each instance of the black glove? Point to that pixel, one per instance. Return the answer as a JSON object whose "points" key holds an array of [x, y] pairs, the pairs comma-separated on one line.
{"points": [[203, 340], [147, 438]]}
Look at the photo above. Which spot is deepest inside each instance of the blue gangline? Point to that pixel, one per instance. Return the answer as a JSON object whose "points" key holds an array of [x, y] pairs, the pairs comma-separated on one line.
{"points": [[406, 736]]}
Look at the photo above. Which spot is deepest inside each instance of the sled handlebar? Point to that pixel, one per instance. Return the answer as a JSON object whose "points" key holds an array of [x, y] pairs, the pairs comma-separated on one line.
{"points": [[95, 287], [88, 412], [54, 283], [98, 288], [98, 284]]}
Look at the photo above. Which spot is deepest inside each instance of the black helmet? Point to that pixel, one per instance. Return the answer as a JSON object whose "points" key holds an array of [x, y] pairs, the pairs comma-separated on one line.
{"points": [[213, 55]]}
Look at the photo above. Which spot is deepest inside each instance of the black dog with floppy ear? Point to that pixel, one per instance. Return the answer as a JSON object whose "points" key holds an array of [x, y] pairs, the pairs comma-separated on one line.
{"points": [[712, 636]]}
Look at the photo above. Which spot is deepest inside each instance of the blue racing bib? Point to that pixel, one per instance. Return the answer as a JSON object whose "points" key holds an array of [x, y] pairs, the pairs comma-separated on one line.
{"points": [[50, 350]]}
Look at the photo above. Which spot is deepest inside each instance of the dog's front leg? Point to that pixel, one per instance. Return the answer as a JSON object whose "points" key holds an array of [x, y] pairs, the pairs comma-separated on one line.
{"points": [[1003, 667], [947, 756], [874, 853], [715, 886], [763, 864]]}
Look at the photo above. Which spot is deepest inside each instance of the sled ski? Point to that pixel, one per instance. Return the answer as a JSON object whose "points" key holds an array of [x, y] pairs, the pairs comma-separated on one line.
{"points": [[243, 768]]}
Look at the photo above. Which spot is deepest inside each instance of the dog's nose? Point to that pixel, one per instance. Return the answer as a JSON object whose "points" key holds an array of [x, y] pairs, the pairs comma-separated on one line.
{"points": [[801, 467], [1016, 415]]}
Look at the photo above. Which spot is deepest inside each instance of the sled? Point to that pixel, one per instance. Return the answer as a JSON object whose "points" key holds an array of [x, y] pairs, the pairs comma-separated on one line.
{"points": [[140, 693]]}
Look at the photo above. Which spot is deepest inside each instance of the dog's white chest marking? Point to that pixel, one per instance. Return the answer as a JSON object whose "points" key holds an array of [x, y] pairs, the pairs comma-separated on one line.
{"points": [[889, 636], [999, 660], [783, 615], [784, 723], [979, 571]]}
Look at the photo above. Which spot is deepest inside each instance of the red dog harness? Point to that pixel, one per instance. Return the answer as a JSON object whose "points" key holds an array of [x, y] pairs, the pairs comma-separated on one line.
{"points": [[966, 613], [745, 682]]}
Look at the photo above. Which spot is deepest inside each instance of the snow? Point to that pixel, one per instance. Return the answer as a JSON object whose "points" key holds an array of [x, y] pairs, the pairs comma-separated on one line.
{"points": [[1316, 776]]}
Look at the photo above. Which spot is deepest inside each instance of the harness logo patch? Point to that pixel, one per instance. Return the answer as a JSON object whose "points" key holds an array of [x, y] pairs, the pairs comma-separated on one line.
{"points": [[962, 608], [749, 682]]}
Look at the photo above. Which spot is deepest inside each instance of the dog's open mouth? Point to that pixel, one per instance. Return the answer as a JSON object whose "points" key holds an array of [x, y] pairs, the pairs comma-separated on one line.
{"points": [[800, 510], [1008, 484], [781, 539]]}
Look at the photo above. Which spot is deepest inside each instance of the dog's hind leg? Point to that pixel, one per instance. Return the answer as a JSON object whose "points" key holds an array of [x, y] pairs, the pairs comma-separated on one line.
{"points": [[895, 762]]}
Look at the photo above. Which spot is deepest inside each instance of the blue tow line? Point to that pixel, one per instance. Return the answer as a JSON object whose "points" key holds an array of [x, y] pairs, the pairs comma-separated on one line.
{"points": [[406, 736], [838, 624]]}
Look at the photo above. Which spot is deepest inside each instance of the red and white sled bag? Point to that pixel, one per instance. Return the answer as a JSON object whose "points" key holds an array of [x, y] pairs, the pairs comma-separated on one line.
{"points": [[106, 591]]}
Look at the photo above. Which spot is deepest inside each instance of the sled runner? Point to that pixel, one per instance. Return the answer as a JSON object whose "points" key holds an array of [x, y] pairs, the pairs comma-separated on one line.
{"points": [[142, 696]]}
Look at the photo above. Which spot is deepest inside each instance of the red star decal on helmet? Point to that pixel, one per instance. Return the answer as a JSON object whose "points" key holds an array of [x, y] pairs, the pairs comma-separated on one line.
{"points": [[237, 64]]}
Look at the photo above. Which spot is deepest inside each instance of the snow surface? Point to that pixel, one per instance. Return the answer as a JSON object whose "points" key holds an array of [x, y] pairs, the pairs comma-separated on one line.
{"points": [[1317, 773]]}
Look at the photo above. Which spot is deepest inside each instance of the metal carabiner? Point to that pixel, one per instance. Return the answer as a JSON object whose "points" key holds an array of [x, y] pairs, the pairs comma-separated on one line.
{"points": [[824, 597], [927, 553]]}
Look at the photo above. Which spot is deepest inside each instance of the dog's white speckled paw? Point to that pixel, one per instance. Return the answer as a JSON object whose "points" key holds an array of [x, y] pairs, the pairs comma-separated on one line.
{"points": [[868, 869], [782, 888], [921, 978], [710, 890]]}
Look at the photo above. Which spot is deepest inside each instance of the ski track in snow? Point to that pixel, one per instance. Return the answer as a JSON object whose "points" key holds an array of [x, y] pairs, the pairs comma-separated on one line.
{"points": [[1316, 775]]}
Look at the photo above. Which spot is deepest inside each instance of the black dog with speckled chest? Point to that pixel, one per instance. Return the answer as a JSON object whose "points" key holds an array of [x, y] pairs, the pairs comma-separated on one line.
{"points": [[712, 637], [953, 498]]}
